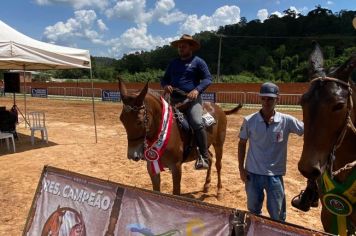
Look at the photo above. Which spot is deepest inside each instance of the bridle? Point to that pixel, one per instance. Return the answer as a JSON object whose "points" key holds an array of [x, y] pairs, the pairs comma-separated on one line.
{"points": [[347, 125], [128, 108]]}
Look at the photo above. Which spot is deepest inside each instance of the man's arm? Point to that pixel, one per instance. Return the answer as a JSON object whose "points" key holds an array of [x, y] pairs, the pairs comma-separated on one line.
{"points": [[241, 158], [205, 77]]}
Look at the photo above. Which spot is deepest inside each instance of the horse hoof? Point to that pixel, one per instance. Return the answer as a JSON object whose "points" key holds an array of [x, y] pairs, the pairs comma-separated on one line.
{"points": [[206, 188], [219, 196]]}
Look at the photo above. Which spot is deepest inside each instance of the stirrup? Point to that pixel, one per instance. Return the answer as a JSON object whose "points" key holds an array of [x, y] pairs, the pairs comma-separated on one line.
{"points": [[201, 164]]}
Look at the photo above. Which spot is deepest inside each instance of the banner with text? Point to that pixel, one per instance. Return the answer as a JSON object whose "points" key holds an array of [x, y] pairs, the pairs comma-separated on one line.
{"points": [[72, 205], [68, 204], [39, 92], [111, 96]]}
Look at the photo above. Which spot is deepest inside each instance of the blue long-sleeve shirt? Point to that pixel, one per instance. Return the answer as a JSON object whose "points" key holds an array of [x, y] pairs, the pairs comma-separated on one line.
{"points": [[187, 75]]}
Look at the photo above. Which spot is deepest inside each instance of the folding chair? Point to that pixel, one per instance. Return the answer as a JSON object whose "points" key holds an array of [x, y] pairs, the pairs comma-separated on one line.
{"points": [[37, 120], [8, 136]]}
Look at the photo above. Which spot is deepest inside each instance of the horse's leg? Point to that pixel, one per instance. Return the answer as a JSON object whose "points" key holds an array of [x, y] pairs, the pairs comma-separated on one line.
{"points": [[218, 165], [176, 176], [208, 175], [155, 179]]}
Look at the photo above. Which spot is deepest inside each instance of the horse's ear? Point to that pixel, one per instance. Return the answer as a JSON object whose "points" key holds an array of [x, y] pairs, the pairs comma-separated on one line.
{"points": [[142, 94], [122, 87], [344, 71], [316, 62]]}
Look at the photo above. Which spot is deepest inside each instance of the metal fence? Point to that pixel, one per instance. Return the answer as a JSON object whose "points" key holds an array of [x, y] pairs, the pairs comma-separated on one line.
{"points": [[225, 97]]}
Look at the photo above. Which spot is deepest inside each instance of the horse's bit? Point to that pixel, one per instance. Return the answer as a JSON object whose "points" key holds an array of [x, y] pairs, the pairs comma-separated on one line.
{"points": [[348, 124]]}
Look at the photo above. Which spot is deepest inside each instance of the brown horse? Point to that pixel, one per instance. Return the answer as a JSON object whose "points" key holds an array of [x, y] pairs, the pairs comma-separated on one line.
{"points": [[141, 117], [329, 153], [53, 223]]}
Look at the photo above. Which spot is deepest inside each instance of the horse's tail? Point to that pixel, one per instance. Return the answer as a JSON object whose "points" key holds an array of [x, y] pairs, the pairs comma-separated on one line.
{"points": [[233, 110]]}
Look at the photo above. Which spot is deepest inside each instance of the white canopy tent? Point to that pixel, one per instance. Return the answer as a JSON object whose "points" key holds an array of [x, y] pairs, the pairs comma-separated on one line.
{"points": [[20, 52]]}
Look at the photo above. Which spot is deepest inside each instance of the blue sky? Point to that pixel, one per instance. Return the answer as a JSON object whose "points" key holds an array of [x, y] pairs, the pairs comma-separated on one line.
{"points": [[114, 27]]}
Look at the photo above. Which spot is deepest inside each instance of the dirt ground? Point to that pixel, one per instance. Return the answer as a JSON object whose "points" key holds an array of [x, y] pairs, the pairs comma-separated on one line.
{"points": [[72, 146]]}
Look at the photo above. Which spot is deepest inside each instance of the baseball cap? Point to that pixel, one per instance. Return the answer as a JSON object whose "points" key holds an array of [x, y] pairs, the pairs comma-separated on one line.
{"points": [[269, 89]]}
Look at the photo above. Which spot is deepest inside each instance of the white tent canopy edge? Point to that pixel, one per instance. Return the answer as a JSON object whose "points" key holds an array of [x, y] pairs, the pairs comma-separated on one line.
{"points": [[20, 52]]}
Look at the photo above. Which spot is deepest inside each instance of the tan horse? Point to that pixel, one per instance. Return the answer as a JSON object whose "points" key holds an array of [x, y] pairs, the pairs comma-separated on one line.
{"points": [[141, 117], [329, 151]]}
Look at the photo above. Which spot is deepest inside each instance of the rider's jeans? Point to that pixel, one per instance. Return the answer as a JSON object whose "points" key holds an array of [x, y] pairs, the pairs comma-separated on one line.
{"points": [[194, 114], [276, 200]]}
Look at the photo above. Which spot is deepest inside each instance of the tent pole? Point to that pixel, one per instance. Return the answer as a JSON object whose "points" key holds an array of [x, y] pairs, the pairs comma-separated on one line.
{"points": [[93, 104], [24, 78]]}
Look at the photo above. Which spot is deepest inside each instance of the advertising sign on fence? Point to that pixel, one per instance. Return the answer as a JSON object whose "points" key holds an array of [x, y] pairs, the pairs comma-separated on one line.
{"points": [[111, 96], [39, 92], [209, 97]]}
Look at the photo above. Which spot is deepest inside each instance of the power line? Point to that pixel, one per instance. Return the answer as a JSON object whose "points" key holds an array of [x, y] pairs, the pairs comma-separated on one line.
{"points": [[285, 37]]}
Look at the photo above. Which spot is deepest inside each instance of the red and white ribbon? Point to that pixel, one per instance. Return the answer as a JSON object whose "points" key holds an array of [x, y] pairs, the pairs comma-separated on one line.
{"points": [[156, 148]]}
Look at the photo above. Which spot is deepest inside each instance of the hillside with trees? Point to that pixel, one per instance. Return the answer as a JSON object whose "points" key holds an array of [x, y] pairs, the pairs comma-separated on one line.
{"points": [[276, 50]]}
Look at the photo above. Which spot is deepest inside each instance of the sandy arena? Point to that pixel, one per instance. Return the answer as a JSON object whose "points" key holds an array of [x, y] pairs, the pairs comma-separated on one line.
{"points": [[72, 146]]}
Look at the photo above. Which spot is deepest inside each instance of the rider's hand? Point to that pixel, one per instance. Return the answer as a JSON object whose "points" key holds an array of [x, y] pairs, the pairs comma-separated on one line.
{"points": [[243, 174], [168, 89], [192, 95]]}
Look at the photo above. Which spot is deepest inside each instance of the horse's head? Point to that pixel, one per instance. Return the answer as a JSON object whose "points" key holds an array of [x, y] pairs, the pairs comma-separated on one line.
{"points": [[137, 116], [326, 106], [54, 222]]}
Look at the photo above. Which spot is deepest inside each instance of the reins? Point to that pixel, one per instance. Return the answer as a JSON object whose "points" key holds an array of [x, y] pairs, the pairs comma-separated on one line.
{"points": [[348, 124]]}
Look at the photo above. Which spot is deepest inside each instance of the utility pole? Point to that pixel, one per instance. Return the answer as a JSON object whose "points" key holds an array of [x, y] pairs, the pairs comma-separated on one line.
{"points": [[219, 57]]}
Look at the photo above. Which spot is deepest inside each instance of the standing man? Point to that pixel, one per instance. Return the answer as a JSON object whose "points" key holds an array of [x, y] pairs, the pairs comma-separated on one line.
{"points": [[267, 131], [191, 75]]}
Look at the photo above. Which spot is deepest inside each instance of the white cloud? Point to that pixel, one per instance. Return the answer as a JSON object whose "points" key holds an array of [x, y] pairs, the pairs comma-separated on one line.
{"points": [[262, 14], [77, 4], [329, 2], [86, 26], [302, 10], [81, 26], [293, 8], [173, 17], [135, 11], [135, 39], [222, 16], [131, 10], [101, 25], [278, 2], [277, 13]]}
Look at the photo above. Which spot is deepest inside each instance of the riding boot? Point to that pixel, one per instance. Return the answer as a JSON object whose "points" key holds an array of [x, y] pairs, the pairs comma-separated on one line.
{"points": [[307, 198], [202, 143]]}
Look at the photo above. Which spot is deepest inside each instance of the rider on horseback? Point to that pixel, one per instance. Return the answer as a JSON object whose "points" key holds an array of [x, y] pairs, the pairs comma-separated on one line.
{"points": [[190, 74]]}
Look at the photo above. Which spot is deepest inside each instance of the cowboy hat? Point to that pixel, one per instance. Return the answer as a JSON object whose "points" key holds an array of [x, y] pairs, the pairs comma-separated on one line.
{"points": [[188, 39]]}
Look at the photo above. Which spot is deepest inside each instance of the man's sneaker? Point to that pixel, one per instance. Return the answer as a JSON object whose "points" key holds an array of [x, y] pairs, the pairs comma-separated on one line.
{"points": [[305, 200], [201, 164]]}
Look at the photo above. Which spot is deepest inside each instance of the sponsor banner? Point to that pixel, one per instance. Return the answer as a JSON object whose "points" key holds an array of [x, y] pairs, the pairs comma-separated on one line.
{"points": [[209, 97], [39, 92], [111, 96], [70, 204], [144, 213], [265, 226]]}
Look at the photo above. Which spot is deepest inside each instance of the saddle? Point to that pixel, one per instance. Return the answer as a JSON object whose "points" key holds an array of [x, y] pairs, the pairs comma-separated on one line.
{"points": [[179, 104]]}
